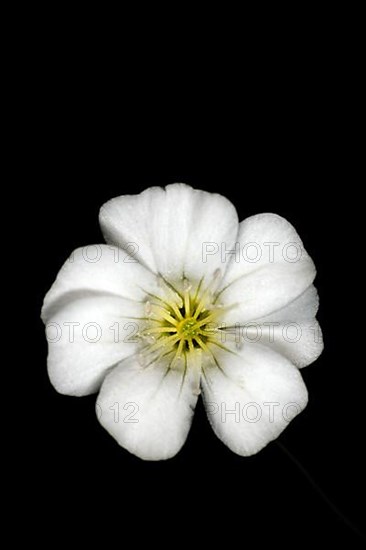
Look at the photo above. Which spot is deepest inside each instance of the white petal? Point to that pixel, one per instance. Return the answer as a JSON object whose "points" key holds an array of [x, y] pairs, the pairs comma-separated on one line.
{"points": [[292, 331], [96, 270], [302, 308], [282, 269], [161, 402], [172, 229], [88, 336], [264, 390]]}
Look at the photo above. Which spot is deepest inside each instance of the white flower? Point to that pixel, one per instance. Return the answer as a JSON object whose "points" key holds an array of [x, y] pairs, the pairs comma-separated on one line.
{"points": [[201, 302]]}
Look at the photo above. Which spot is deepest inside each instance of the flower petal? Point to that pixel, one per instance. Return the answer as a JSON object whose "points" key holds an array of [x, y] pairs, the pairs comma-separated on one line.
{"points": [[98, 291], [271, 268], [88, 336], [161, 401], [177, 230], [94, 270], [252, 397], [292, 331]]}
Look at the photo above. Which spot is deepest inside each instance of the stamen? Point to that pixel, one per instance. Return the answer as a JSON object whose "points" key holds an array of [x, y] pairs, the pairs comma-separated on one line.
{"points": [[201, 304], [175, 309], [181, 323], [160, 311], [157, 358], [158, 330], [168, 340], [178, 354], [169, 286], [148, 308], [198, 289], [187, 306], [190, 345], [202, 344], [206, 320]]}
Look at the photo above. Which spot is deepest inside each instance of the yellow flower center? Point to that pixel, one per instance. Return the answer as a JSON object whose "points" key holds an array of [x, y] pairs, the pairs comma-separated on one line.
{"points": [[181, 320]]}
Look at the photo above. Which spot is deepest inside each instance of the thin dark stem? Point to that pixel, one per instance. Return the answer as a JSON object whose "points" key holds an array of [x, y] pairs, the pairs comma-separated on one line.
{"points": [[321, 493]]}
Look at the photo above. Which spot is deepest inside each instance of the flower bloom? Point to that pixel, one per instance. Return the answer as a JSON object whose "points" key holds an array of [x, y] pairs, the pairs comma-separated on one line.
{"points": [[183, 300]]}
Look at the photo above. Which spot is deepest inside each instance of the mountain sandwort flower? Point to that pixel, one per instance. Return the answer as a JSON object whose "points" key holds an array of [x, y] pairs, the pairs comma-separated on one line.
{"points": [[185, 300]]}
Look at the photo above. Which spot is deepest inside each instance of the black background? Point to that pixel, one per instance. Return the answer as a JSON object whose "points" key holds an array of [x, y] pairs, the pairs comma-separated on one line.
{"points": [[281, 148]]}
